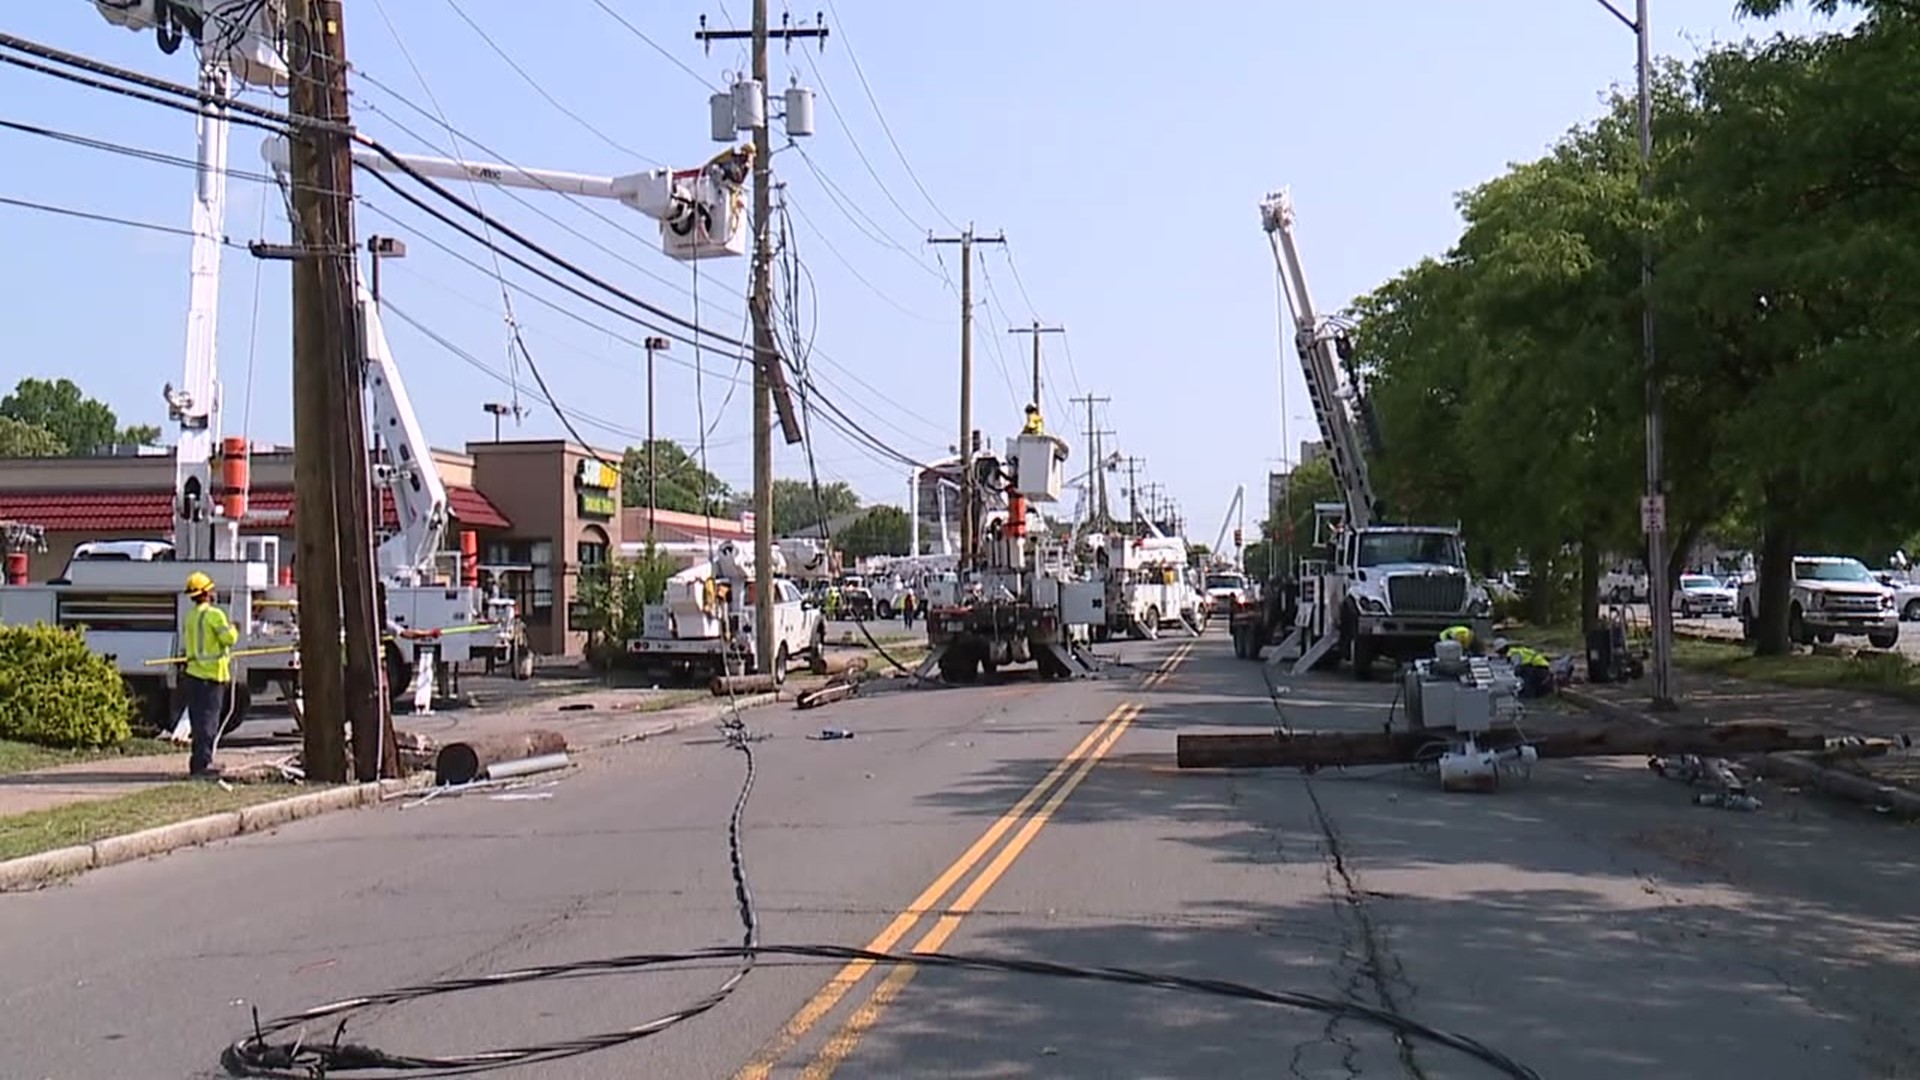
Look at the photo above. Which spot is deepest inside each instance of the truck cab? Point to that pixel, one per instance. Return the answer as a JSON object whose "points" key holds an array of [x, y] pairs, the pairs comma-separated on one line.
{"points": [[1404, 584]]}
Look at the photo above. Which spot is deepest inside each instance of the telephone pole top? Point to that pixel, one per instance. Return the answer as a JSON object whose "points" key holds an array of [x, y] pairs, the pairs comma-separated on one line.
{"points": [[969, 510], [1036, 330]]}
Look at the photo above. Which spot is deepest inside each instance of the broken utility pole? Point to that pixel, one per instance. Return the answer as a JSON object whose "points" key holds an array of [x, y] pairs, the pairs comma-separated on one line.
{"points": [[1328, 749]]}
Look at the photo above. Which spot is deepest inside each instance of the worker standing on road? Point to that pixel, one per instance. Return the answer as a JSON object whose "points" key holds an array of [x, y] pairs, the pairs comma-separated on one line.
{"points": [[209, 637], [1033, 425], [1533, 668]]}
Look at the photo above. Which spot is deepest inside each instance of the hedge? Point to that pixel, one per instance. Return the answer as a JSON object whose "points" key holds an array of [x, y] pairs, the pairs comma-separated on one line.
{"points": [[54, 691]]}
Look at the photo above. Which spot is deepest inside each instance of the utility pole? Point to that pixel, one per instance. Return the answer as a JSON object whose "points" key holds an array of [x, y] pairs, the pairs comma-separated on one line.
{"points": [[1036, 330], [1133, 489], [1096, 472], [322, 318], [969, 510], [769, 379], [653, 345]]}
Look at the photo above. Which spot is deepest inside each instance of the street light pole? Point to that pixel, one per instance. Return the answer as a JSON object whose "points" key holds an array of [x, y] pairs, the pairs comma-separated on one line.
{"points": [[1653, 506], [653, 345]]}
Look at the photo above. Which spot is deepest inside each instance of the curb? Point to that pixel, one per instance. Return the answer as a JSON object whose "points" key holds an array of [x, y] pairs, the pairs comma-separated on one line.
{"points": [[34, 871], [1789, 767]]}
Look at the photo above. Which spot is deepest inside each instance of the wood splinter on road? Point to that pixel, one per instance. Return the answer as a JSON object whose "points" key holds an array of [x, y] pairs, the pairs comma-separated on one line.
{"points": [[1327, 749], [463, 762]]}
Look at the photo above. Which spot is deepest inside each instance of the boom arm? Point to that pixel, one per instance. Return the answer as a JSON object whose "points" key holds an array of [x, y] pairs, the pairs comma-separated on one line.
{"points": [[419, 496], [702, 212], [1325, 385], [1226, 521]]}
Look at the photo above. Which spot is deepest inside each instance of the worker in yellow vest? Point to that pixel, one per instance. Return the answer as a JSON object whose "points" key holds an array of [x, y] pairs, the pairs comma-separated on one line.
{"points": [[1532, 667], [1461, 634], [1033, 426], [208, 636]]}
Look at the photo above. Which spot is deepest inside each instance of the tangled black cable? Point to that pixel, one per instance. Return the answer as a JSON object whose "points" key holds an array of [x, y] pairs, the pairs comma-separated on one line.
{"points": [[256, 1056]]}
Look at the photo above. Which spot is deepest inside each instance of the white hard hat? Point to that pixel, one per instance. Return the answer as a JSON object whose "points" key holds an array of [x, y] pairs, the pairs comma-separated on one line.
{"points": [[1499, 644]]}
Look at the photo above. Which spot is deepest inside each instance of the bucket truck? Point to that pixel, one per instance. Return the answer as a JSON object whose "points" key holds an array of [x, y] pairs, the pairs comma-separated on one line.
{"points": [[1375, 590], [1017, 598], [704, 626]]}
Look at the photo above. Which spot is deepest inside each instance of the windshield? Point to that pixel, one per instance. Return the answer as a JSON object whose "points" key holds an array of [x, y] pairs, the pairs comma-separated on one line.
{"points": [[1839, 570], [1225, 581], [1377, 549], [1698, 581]]}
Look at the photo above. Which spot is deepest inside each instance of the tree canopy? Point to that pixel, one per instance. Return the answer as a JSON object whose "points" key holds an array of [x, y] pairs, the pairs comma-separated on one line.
{"points": [[19, 439], [882, 530], [795, 507], [681, 482], [1508, 373], [79, 424]]}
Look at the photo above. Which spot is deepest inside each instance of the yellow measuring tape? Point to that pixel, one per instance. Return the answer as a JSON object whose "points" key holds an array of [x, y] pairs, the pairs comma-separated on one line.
{"points": [[275, 650]]}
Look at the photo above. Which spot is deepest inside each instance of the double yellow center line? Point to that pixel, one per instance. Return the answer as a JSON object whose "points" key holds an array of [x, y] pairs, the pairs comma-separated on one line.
{"points": [[1074, 767]]}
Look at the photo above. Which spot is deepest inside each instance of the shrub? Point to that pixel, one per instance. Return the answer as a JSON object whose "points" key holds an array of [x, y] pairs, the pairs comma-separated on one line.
{"points": [[54, 691]]}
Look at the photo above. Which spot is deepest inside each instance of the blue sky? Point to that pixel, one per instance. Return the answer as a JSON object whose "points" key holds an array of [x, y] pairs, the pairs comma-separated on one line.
{"points": [[1120, 146]]}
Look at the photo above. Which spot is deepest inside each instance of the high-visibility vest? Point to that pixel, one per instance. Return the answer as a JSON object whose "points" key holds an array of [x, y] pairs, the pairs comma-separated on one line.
{"points": [[1461, 634], [1521, 656], [209, 636]]}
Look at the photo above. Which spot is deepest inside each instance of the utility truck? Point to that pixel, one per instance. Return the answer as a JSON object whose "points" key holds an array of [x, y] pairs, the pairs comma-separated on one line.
{"points": [[1830, 595], [1371, 590], [1017, 599], [704, 626]]}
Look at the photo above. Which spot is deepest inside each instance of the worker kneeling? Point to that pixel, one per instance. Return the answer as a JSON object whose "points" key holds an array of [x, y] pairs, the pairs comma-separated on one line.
{"points": [[1530, 666], [1463, 635]]}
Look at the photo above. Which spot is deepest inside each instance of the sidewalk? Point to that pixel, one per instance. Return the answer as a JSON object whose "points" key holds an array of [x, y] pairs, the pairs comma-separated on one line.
{"points": [[1709, 698]]}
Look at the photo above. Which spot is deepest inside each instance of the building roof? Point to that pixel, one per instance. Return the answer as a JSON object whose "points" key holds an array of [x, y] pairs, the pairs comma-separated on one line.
{"points": [[633, 522], [150, 509]]}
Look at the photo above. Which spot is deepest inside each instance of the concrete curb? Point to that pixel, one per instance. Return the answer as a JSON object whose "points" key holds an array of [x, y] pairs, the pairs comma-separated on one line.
{"points": [[1792, 768], [35, 871]]}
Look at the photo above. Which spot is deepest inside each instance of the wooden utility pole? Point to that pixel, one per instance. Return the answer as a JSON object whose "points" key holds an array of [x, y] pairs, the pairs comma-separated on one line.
{"points": [[1096, 472], [1036, 330], [969, 510], [769, 380], [1133, 489], [653, 345], [322, 320]]}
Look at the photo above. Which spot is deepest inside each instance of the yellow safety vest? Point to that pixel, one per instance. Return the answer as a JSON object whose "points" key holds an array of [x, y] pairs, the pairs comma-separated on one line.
{"points": [[1461, 634], [209, 636], [1521, 656]]}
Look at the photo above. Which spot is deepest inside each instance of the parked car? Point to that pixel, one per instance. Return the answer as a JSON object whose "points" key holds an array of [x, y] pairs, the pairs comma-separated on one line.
{"points": [[1831, 595], [1703, 594]]}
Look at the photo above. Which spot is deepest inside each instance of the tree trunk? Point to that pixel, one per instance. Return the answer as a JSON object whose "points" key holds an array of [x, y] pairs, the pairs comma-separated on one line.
{"points": [[1589, 583], [1775, 587], [1683, 542], [1540, 589]]}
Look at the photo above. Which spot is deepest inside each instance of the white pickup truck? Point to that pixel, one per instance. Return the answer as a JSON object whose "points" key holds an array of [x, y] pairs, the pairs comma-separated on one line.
{"points": [[1831, 595]]}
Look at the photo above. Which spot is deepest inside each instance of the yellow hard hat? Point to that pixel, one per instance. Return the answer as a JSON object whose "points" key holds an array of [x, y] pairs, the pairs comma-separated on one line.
{"points": [[198, 583]]}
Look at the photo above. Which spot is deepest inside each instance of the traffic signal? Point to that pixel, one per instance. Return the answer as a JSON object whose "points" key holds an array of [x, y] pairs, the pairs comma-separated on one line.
{"points": [[1236, 538]]}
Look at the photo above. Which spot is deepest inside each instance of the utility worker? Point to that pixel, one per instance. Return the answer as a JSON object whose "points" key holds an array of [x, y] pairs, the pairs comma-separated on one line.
{"points": [[1461, 634], [1533, 667], [208, 636], [1033, 425]]}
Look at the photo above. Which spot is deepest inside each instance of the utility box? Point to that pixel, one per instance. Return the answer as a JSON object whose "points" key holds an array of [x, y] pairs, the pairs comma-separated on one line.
{"points": [[1039, 461], [1083, 603]]}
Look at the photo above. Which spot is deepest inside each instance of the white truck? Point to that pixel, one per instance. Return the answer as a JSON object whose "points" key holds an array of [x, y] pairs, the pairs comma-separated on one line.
{"points": [[705, 625], [1148, 585], [1381, 590], [1831, 595]]}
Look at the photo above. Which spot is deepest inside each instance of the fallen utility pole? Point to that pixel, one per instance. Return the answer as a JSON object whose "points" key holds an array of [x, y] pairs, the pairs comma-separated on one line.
{"points": [[464, 762], [1328, 749]]}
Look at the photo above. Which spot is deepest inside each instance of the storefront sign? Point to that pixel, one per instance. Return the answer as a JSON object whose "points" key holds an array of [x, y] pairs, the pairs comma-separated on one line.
{"points": [[596, 487]]}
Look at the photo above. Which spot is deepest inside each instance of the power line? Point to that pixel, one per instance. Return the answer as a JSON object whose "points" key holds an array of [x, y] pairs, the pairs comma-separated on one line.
{"points": [[871, 229], [857, 275], [834, 106], [108, 219], [654, 45], [884, 126]]}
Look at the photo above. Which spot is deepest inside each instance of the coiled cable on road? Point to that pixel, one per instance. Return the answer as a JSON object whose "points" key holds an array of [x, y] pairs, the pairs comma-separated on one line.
{"points": [[259, 1055]]}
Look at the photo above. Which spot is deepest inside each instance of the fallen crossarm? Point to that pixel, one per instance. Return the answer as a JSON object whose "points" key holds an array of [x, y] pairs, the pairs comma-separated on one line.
{"points": [[1328, 749]]}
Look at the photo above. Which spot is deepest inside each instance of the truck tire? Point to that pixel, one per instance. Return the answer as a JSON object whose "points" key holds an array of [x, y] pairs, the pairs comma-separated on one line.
{"points": [[1362, 658], [1153, 623], [1911, 612], [781, 662], [960, 665], [817, 652], [883, 609], [1885, 641], [1239, 643], [1797, 627]]}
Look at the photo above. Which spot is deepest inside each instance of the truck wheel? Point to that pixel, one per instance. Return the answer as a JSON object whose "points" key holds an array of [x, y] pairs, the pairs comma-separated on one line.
{"points": [[1797, 627], [1239, 644], [819, 647], [1911, 612], [522, 662], [1152, 624], [1362, 659], [1749, 626], [883, 609], [1885, 641], [781, 661]]}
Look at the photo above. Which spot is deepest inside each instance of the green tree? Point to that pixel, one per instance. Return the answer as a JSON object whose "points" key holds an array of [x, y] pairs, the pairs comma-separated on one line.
{"points": [[795, 507], [681, 482], [882, 530], [1198, 555], [82, 424], [19, 439]]}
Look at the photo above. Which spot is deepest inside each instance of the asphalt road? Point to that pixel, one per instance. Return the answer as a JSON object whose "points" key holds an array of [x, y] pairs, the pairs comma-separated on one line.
{"points": [[1589, 922]]}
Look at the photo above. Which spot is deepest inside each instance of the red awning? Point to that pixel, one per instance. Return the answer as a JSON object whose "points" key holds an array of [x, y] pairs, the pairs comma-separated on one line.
{"points": [[150, 511]]}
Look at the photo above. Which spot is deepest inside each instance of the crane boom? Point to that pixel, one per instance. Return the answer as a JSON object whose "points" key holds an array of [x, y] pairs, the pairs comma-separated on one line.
{"points": [[701, 211], [1320, 363]]}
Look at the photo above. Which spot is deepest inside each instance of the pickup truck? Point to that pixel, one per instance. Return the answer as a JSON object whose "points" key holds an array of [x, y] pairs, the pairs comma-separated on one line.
{"points": [[1831, 595], [681, 641]]}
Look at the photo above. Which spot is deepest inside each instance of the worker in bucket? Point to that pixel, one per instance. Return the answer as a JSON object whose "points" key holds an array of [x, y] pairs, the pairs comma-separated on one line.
{"points": [[1532, 667], [208, 636], [1033, 425]]}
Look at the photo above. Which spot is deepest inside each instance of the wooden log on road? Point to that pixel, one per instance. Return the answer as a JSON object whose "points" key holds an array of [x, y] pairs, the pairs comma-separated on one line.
{"points": [[838, 664], [826, 695], [1325, 749], [463, 762]]}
